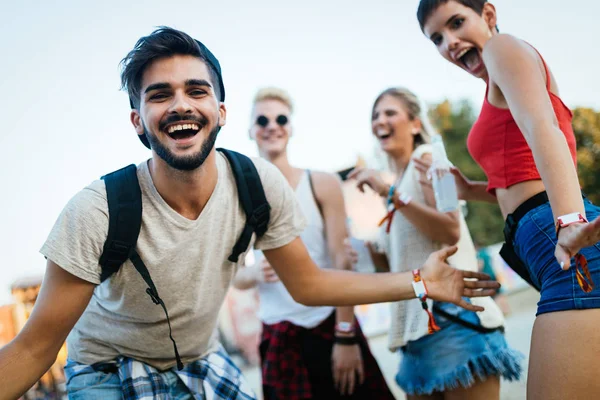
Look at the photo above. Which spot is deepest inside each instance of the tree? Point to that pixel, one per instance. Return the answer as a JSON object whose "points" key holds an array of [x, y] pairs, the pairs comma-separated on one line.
{"points": [[586, 124]]}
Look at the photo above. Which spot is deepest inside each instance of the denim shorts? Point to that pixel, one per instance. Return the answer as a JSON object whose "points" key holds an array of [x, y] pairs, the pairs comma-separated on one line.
{"points": [[99, 384], [534, 242], [455, 356], [93, 385]]}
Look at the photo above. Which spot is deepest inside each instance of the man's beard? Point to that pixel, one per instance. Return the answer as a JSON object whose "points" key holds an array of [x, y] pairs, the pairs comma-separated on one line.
{"points": [[184, 163]]}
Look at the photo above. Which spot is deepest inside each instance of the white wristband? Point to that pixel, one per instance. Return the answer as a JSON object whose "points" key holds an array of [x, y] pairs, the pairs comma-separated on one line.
{"points": [[404, 198], [420, 289]]}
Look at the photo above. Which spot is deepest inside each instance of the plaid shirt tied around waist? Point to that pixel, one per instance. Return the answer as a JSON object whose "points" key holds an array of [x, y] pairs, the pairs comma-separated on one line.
{"points": [[212, 377]]}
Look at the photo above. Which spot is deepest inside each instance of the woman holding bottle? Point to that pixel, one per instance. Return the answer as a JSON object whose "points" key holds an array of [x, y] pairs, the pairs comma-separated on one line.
{"points": [[451, 353]]}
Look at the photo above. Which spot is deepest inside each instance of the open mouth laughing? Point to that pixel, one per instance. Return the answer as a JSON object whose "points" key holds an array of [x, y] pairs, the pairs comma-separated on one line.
{"points": [[470, 59], [383, 134], [181, 131]]}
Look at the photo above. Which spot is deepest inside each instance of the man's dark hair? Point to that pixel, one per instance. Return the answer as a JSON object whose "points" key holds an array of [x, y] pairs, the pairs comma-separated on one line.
{"points": [[427, 7], [165, 42]]}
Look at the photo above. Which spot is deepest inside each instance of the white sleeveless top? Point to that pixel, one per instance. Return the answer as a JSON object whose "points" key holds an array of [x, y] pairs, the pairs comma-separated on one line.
{"points": [[276, 304], [408, 248]]}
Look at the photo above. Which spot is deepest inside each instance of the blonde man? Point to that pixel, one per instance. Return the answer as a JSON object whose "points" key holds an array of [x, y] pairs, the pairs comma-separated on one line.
{"points": [[331, 357]]}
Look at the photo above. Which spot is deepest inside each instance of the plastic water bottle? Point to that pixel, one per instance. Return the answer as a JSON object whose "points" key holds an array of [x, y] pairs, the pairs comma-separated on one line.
{"points": [[444, 185]]}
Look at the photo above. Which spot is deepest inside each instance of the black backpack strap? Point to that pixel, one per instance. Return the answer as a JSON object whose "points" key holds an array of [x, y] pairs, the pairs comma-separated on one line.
{"points": [[124, 222], [124, 218], [466, 324], [252, 198], [314, 192], [153, 293]]}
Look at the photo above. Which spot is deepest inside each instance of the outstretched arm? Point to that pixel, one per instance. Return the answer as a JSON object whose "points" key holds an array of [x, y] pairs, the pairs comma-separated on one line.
{"points": [[62, 299], [313, 286]]}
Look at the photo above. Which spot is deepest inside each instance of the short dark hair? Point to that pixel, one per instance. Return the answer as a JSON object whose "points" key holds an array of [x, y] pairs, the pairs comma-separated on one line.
{"points": [[165, 42], [427, 7]]}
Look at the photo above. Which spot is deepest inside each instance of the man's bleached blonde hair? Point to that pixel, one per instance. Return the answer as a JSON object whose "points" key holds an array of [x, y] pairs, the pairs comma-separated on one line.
{"points": [[274, 93]]}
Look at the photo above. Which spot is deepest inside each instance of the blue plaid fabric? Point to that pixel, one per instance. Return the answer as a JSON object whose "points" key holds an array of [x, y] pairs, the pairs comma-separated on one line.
{"points": [[214, 377]]}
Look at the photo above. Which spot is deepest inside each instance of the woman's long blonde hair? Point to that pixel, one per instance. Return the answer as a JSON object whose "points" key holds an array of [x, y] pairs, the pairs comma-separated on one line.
{"points": [[416, 110]]}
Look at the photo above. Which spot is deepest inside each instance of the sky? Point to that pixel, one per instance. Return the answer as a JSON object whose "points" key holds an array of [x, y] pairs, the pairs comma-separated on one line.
{"points": [[66, 122]]}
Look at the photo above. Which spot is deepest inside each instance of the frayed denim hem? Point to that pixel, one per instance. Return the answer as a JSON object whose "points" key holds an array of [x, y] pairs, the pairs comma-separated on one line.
{"points": [[505, 363]]}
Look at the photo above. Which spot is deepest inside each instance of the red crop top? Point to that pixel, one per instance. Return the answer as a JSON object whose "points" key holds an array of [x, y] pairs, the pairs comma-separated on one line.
{"points": [[498, 146]]}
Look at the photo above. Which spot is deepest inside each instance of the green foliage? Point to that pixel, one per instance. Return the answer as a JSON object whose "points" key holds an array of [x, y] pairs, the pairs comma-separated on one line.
{"points": [[586, 124]]}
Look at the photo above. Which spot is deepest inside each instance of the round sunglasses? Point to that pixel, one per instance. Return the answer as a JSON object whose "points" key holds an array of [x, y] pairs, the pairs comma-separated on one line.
{"points": [[263, 121]]}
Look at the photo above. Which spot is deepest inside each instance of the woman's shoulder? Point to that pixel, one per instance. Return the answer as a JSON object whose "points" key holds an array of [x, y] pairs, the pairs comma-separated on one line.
{"points": [[504, 42], [504, 49]]}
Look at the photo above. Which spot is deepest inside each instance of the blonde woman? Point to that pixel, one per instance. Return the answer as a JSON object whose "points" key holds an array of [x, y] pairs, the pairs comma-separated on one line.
{"points": [[466, 357]]}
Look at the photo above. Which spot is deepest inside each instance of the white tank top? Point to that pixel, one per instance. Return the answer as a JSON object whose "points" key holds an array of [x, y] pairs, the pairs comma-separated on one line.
{"points": [[408, 248], [276, 304]]}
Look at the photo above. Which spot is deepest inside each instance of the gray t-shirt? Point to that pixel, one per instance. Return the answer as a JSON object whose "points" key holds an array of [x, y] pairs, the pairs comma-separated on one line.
{"points": [[186, 259]]}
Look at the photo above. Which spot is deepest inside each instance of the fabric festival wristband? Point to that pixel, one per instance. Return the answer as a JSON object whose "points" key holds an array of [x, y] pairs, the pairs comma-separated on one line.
{"points": [[404, 198], [569, 219], [421, 293], [390, 196]]}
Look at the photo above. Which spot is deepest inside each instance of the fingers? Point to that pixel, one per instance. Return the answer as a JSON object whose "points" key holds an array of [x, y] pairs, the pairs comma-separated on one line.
{"points": [[343, 382], [269, 274], [421, 165], [446, 252], [353, 256], [591, 233], [360, 371], [563, 257], [595, 224], [476, 275], [336, 377], [456, 172], [350, 251], [479, 292], [350, 381], [468, 306], [352, 174], [482, 284]]}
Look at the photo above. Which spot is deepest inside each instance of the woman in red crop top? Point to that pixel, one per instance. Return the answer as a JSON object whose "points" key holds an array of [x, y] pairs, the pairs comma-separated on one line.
{"points": [[524, 142]]}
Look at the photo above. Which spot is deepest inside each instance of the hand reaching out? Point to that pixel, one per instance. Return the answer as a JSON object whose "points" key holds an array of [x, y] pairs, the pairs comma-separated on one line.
{"points": [[370, 178], [449, 284], [573, 238]]}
